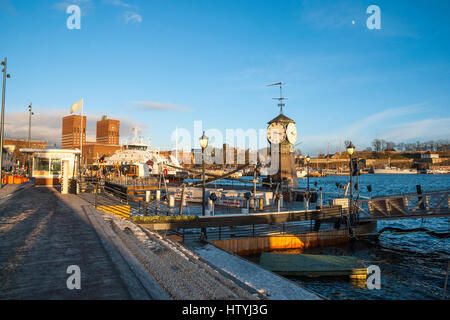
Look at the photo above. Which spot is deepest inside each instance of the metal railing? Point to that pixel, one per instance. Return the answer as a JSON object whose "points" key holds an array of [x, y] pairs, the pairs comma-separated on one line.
{"points": [[116, 198], [258, 230], [402, 206]]}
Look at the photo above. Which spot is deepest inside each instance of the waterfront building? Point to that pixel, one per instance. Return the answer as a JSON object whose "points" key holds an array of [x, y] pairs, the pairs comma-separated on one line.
{"points": [[430, 155], [14, 145], [8, 162], [108, 131], [107, 138], [93, 152], [47, 164], [72, 138]]}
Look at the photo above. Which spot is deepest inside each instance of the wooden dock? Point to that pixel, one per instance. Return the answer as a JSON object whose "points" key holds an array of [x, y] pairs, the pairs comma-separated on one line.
{"points": [[311, 265]]}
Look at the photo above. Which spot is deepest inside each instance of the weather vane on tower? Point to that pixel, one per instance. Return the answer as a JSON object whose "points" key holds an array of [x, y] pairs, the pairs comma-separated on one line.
{"points": [[280, 99]]}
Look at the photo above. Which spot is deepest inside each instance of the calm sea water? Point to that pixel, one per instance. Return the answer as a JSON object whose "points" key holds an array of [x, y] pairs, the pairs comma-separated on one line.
{"points": [[413, 266]]}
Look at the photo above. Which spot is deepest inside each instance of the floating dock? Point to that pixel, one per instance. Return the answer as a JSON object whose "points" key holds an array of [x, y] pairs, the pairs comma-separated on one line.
{"points": [[311, 265]]}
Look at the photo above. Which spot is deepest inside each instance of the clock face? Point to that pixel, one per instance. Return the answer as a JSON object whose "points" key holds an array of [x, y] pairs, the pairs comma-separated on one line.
{"points": [[276, 133], [291, 133]]}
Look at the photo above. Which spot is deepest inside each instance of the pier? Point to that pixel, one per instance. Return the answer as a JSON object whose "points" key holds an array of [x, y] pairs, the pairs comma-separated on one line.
{"points": [[327, 225], [42, 232]]}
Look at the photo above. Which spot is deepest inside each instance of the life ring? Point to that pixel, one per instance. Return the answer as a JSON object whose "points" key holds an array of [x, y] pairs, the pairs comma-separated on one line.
{"points": [[165, 172]]}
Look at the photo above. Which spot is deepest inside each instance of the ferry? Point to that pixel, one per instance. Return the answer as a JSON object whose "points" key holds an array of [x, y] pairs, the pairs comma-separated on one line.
{"points": [[143, 160], [301, 173], [429, 171], [393, 170]]}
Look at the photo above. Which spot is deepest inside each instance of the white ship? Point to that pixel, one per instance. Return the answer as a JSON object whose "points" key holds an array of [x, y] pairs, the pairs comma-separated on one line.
{"points": [[429, 171], [394, 170], [301, 173], [144, 160]]}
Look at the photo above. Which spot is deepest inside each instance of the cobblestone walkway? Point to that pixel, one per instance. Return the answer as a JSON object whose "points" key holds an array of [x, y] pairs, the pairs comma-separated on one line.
{"points": [[41, 234]]}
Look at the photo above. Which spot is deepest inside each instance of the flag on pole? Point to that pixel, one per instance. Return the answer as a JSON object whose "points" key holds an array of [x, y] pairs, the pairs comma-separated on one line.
{"points": [[77, 106]]}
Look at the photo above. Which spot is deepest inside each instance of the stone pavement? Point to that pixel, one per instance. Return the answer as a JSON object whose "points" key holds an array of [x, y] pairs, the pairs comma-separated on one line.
{"points": [[10, 190], [42, 233]]}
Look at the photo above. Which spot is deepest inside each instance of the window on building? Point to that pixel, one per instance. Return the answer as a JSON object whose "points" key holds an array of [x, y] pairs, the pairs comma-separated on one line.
{"points": [[55, 166], [41, 164]]}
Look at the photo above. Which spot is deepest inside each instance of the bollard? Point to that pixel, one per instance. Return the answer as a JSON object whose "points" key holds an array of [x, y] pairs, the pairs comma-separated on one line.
{"points": [[261, 204], [147, 196], [252, 203], [171, 201], [267, 199], [158, 195], [281, 200], [211, 207]]}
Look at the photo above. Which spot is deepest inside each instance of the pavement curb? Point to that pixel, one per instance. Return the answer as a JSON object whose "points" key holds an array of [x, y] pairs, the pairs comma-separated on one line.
{"points": [[139, 283]]}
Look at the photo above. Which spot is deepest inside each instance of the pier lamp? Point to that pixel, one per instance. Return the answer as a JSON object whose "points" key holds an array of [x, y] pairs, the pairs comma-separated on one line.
{"points": [[2, 121], [31, 113], [308, 159], [350, 150], [204, 141], [203, 144]]}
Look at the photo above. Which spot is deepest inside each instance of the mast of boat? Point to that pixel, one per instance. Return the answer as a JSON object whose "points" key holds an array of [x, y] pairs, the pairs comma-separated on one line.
{"points": [[328, 157], [317, 160], [176, 143], [135, 137]]}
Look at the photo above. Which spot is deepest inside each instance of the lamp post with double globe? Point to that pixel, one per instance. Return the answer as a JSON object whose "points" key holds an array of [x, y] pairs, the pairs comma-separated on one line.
{"points": [[203, 145], [350, 150]]}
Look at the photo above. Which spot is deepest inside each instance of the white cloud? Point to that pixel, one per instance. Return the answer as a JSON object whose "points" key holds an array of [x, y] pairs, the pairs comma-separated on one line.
{"points": [[149, 105], [329, 15], [85, 5], [119, 3], [46, 125], [132, 17], [427, 129], [381, 116], [360, 133]]}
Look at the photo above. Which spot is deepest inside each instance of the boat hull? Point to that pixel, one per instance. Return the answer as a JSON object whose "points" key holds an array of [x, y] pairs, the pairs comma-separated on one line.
{"points": [[391, 171]]}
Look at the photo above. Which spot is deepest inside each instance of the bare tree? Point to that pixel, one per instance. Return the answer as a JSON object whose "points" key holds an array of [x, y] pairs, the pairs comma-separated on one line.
{"points": [[378, 144]]}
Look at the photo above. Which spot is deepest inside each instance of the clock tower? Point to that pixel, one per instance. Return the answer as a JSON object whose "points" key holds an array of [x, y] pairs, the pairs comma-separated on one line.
{"points": [[282, 134]]}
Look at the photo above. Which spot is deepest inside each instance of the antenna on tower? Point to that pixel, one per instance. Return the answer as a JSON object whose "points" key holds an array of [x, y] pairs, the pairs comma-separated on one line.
{"points": [[280, 99]]}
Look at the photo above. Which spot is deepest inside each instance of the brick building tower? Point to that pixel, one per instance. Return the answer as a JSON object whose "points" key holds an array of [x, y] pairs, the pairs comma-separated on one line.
{"points": [[108, 131], [71, 132]]}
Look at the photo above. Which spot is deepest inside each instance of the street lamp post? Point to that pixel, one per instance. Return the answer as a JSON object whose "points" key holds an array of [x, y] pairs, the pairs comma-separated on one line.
{"points": [[2, 121], [350, 150], [203, 145], [308, 159], [29, 134]]}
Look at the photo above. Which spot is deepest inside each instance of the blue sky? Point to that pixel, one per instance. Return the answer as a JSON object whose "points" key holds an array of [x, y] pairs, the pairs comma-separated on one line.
{"points": [[158, 64]]}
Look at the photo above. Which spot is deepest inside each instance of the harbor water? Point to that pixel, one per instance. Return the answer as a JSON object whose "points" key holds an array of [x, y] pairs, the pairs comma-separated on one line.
{"points": [[413, 266]]}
